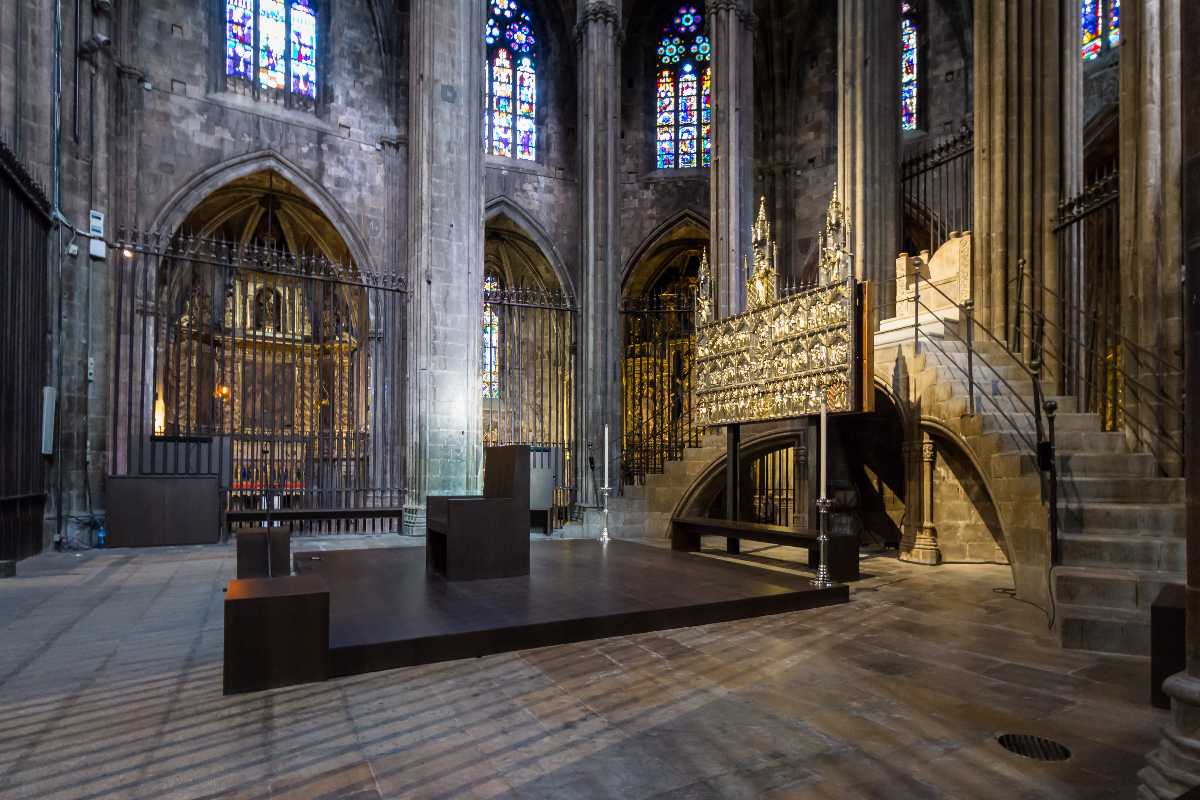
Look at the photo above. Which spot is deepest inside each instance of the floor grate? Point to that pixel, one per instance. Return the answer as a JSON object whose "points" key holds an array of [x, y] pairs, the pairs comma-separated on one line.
{"points": [[1035, 747]]}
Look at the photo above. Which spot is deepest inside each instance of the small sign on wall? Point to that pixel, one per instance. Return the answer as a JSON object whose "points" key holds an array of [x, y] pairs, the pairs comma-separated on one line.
{"points": [[96, 247]]}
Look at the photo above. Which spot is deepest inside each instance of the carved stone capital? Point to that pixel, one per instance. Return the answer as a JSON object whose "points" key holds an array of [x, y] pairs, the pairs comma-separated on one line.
{"points": [[739, 7], [598, 11]]}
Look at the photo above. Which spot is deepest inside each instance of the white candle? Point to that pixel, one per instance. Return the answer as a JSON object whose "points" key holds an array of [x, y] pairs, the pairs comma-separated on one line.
{"points": [[606, 486], [824, 453]]}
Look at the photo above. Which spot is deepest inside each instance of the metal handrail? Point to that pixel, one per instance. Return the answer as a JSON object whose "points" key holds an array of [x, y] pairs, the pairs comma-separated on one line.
{"points": [[1156, 394], [999, 409], [1093, 318], [968, 309]]}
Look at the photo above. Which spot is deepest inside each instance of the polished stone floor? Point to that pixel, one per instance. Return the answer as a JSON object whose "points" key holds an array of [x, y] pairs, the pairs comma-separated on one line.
{"points": [[110, 686]]}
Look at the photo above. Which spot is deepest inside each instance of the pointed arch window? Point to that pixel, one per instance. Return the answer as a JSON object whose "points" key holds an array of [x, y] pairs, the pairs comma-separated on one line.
{"points": [[510, 82], [272, 45], [1099, 27], [909, 61], [683, 108], [490, 329]]}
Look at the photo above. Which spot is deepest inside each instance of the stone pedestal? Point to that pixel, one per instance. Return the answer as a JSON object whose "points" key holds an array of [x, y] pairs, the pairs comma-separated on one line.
{"points": [[919, 542], [1174, 766]]}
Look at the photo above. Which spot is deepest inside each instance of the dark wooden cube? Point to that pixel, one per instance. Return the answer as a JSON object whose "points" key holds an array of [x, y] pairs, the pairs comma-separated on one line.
{"points": [[264, 552], [276, 632]]}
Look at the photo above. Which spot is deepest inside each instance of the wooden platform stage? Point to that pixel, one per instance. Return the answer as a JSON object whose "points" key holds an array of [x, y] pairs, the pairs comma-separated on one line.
{"points": [[385, 612]]}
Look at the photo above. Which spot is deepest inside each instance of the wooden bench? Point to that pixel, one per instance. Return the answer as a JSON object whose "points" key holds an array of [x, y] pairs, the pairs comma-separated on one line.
{"points": [[261, 515], [843, 550]]}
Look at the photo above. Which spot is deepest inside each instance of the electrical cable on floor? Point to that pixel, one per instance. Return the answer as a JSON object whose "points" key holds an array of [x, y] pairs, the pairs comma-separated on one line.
{"points": [[1004, 590]]}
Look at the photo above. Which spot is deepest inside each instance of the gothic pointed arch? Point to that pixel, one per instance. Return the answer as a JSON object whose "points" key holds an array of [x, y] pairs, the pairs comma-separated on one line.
{"points": [[685, 232], [210, 179], [502, 212]]}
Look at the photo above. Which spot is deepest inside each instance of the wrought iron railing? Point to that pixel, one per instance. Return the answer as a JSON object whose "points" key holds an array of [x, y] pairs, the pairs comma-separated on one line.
{"points": [[529, 381], [657, 373], [25, 222], [937, 193], [279, 373], [1081, 334]]}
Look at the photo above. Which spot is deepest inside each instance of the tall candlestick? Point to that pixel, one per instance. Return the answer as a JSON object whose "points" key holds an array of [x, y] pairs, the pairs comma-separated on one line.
{"points": [[606, 455], [824, 454]]}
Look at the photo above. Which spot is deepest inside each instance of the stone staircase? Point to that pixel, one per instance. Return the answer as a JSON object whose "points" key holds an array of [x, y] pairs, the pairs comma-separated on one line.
{"points": [[1121, 525], [644, 512]]}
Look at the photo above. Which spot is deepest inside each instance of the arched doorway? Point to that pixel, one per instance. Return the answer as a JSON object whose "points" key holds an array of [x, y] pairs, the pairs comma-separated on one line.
{"points": [[259, 352], [658, 346], [528, 354]]}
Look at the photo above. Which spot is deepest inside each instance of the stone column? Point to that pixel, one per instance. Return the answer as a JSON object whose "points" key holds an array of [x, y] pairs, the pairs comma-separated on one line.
{"points": [[1021, 52], [1174, 766], [445, 452], [1151, 245], [925, 550], [731, 215], [869, 138], [598, 385], [800, 507]]}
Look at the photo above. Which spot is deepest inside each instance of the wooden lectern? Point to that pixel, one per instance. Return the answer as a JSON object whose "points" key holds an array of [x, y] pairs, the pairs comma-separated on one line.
{"points": [[470, 538]]}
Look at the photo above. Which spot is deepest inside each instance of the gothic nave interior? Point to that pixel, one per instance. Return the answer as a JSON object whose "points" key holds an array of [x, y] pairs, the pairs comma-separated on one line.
{"points": [[599, 398]]}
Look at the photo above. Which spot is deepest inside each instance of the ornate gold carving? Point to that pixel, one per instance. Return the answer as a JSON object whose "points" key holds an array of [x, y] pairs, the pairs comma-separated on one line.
{"points": [[776, 361], [836, 262], [761, 283], [704, 299]]}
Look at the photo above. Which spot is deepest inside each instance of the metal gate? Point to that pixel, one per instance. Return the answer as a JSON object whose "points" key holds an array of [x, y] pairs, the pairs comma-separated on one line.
{"points": [[657, 375], [937, 193], [24, 231], [528, 384], [282, 375]]}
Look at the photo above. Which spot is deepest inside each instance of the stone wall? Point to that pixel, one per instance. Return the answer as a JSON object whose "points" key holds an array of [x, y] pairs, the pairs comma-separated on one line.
{"points": [[944, 70], [968, 526], [649, 197], [546, 191], [795, 109], [149, 126]]}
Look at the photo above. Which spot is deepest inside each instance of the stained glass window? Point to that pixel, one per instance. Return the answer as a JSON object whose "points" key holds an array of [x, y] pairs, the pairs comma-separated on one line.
{"points": [[491, 339], [1099, 27], [510, 82], [1091, 23], [909, 53], [1114, 24], [304, 49], [284, 58], [683, 108], [239, 38]]}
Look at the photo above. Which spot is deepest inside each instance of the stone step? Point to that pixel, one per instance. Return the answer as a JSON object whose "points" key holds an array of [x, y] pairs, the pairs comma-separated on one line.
{"points": [[1160, 519], [1111, 589], [1124, 552], [1104, 630], [1076, 490], [1084, 465]]}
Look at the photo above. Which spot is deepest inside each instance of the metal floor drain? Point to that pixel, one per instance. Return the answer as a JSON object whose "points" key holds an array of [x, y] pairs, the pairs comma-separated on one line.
{"points": [[1035, 747]]}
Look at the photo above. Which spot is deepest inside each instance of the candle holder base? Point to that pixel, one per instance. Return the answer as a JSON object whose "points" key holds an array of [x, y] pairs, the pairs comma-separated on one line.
{"points": [[605, 490], [822, 581]]}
